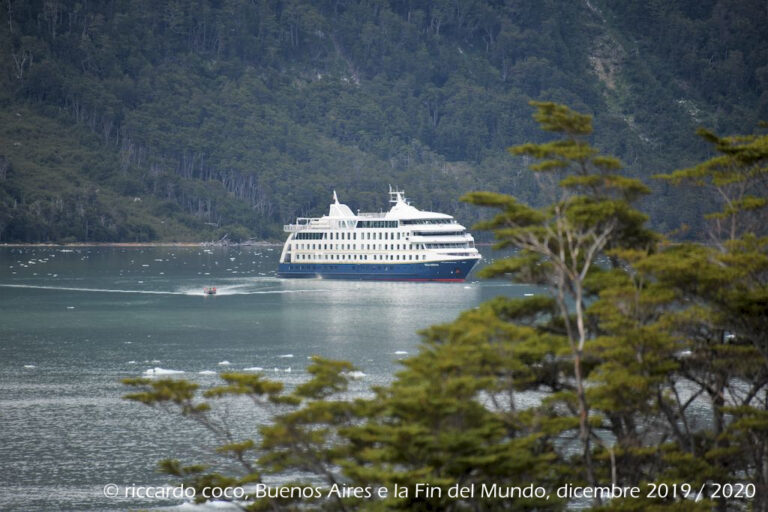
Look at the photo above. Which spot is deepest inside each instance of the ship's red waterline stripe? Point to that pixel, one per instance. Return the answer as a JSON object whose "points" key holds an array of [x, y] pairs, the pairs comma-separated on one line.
{"points": [[442, 280]]}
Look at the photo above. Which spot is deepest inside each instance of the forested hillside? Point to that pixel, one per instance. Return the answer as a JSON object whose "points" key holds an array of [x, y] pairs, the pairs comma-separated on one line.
{"points": [[185, 120]]}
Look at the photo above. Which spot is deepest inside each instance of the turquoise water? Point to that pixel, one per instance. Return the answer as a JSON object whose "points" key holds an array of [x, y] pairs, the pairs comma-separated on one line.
{"points": [[73, 322]]}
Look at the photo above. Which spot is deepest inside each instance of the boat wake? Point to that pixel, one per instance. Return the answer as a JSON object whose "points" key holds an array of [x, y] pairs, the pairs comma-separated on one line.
{"points": [[189, 291]]}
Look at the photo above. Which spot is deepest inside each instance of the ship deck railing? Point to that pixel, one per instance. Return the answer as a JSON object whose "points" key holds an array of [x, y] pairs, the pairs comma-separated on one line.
{"points": [[302, 223]]}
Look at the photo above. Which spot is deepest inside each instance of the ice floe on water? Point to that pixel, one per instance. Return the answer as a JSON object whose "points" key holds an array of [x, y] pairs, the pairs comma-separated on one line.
{"points": [[357, 375], [207, 372], [400, 352], [161, 371], [224, 363], [253, 369], [285, 356], [30, 366]]}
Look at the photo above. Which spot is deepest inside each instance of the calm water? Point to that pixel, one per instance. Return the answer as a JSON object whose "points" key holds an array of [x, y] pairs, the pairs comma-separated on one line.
{"points": [[73, 322]]}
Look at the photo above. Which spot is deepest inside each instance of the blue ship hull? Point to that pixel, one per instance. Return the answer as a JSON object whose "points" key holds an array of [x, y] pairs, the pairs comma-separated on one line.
{"points": [[456, 270]]}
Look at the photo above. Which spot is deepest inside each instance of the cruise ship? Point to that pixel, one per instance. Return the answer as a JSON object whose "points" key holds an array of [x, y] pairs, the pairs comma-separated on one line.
{"points": [[403, 244]]}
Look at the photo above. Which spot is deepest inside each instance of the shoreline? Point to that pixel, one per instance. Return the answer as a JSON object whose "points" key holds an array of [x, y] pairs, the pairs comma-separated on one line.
{"points": [[263, 243]]}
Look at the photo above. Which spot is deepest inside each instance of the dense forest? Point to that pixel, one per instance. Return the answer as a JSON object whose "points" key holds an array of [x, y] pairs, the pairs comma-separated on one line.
{"points": [[133, 120]]}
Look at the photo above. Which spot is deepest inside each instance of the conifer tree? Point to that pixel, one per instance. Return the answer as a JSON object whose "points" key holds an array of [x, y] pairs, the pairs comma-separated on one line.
{"points": [[559, 244]]}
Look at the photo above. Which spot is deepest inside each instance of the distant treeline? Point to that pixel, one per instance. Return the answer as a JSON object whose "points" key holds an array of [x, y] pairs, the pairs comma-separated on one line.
{"points": [[133, 120]]}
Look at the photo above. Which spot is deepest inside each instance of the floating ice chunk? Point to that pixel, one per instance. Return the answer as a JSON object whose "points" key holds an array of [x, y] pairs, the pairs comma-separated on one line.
{"points": [[30, 366], [224, 363], [145, 265], [70, 307], [288, 370], [253, 369], [400, 352], [467, 287], [131, 362], [357, 375], [207, 372], [286, 356], [161, 371], [528, 294]]}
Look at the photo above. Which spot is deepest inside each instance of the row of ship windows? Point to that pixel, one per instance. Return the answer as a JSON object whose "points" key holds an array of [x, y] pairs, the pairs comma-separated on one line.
{"points": [[378, 247], [349, 235], [368, 235], [354, 247], [360, 257]]}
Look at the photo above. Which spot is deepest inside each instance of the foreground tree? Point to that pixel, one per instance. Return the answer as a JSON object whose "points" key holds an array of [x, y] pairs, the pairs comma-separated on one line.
{"points": [[559, 243]]}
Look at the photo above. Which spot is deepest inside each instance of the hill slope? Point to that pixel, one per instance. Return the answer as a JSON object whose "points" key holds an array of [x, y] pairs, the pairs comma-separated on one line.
{"points": [[204, 117]]}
